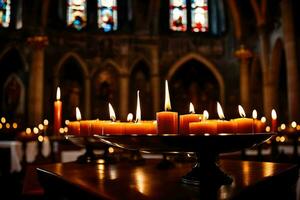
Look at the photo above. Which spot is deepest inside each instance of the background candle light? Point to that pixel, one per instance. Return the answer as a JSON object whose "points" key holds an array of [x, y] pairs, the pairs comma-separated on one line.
{"points": [[57, 112], [274, 121], [167, 121], [186, 119]]}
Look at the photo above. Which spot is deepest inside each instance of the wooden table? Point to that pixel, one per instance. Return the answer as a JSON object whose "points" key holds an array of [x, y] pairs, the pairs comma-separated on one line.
{"points": [[127, 181]]}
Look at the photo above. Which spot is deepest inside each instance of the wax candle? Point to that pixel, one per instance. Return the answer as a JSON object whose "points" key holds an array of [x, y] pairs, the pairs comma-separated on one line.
{"points": [[186, 119], [74, 126], [136, 127], [204, 126], [85, 127], [167, 121], [274, 121], [243, 124], [223, 125], [57, 112], [113, 127]]}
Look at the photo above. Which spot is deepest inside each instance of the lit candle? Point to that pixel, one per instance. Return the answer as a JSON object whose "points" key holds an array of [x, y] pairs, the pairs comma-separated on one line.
{"points": [[243, 124], [86, 127], [57, 112], [223, 125], [74, 126], [113, 127], [186, 119], [204, 126], [167, 121], [274, 121]]}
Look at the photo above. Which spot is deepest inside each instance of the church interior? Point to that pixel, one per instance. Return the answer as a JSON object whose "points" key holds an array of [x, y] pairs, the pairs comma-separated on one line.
{"points": [[233, 54]]}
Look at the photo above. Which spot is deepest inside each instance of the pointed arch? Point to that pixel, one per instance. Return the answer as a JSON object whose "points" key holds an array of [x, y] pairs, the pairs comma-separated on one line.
{"points": [[207, 63], [108, 62], [67, 56], [137, 60], [10, 48]]}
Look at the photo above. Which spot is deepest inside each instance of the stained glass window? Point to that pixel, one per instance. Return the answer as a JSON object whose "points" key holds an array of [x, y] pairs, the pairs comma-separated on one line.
{"points": [[107, 15], [199, 15], [4, 13], [76, 14], [178, 17]]}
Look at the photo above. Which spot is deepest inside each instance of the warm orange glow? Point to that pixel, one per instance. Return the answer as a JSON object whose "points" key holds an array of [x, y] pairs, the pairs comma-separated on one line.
{"points": [[192, 108], [254, 114], [294, 124], [167, 97], [78, 114], [3, 120], [241, 111], [46, 122], [28, 131], [111, 150], [205, 115], [220, 111], [112, 113], [138, 108], [283, 126], [67, 122], [35, 130], [130, 117], [268, 129], [263, 119], [273, 114], [40, 138], [7, 125], [58, 93], [41, 126], [15, 125]]}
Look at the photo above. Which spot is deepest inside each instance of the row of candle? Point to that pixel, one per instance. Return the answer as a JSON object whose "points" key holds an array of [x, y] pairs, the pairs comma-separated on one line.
{"points": [[167, 122]]}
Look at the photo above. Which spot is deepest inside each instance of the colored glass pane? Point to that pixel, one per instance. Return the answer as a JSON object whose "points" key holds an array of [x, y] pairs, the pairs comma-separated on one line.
{"points": [[107, 15]]}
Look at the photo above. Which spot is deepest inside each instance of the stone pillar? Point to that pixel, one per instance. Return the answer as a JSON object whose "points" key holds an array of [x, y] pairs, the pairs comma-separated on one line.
{"points": [[36, 79], [244, 55], [291, 59], [87, 97], [124, 87], [155, 81]]}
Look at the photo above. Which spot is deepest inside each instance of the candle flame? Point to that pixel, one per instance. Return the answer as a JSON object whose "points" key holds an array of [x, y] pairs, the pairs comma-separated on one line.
{"points": [[130, 117], [273, 114], [241, 111], [58, 93], [220, 111], [112, 113], [167, 97], [191, 109], [138, 108], [205, 115], [294, 124], [78, 114], [263, 119], [254, 114]]}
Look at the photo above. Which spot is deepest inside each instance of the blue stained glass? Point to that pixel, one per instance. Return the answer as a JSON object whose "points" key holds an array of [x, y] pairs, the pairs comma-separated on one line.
{"points": [[76, 14], [4, 13], [107, 15]]}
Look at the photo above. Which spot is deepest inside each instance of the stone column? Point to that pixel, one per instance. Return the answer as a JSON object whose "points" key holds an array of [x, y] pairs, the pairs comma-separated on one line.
{"points": [[244, 55], [124, 87], [155, 81], [291, 59], [36, 79]]}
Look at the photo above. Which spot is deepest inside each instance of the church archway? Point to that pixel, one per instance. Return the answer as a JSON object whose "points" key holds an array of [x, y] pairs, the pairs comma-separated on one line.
{"points": [[71, 79], [196, 83], [140, 80], [105, 89], [12, 87]]}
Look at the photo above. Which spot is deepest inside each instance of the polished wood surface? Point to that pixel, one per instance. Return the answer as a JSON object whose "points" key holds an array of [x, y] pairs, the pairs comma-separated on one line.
{"points": [[128, 181]]}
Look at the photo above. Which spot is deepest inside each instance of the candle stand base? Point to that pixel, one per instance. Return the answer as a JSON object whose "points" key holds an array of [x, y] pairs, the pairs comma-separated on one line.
{"points": [[206, 172]]}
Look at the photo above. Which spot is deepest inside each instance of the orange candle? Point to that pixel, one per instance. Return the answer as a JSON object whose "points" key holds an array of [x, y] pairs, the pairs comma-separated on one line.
{"points": [[185, 120], [204, 126], [74, 126], [167, 121], [113, 127], [260, 125], [274, 121], [151, 127], [85, 127], [223, 125], [57, 112], [243, 124]]}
